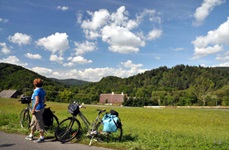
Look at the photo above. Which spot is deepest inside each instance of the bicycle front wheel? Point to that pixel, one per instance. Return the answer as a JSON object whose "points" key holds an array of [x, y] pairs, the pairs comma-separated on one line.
{"points": [[25, 118], [67, 129]]}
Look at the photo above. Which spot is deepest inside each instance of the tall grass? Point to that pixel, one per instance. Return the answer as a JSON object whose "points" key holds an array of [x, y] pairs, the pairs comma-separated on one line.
{"points": [[144, 128]]}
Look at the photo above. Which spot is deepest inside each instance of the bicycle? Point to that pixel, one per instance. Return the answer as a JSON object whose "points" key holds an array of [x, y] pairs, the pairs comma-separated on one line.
{"points": [[69, 128], [49, 118]]}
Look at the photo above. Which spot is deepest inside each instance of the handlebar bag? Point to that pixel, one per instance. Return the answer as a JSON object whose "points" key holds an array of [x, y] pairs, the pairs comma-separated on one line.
{"points": [[26, 100], [73, 108]]}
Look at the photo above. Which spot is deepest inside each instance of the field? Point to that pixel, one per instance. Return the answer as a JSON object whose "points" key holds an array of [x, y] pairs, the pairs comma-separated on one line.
{"points": [[144, 128]]}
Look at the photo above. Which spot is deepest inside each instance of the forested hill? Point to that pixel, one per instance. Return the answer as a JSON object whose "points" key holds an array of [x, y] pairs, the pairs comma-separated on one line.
{"points": [[19, 78], [70, 82], [179, 77], [180, 85]]}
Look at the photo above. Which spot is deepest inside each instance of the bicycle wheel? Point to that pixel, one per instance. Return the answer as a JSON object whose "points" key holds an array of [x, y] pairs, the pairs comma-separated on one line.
{"points": [[25, 118], [67, 129], [51, 124], [110, 136]]}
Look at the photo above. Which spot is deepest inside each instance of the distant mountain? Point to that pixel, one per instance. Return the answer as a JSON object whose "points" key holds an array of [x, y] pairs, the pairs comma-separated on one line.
{"points": [[71, 82]]}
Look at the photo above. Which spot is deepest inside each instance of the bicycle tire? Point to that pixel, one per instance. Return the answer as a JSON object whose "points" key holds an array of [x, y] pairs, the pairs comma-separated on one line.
{"points": [[110, 136], [25, 118], [53, 126], [67, 129]]}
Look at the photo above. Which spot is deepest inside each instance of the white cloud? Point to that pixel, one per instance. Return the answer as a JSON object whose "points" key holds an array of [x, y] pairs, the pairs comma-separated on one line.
{"points": [[116, 29], [81, 60], [20, 39], [157, 58], [121, 40], [95, 74], [203, 11], [223, 58], [120, 18], [213, 42], [85, 47], [150, 14], [33, 56], [155, 33], [178, 49], [4, 49], [99, 18], [77, 60], [126, 69], [55, 43], [200, 52], [13, 60], [79, 16], [54, 57], [43, 71], [129, 64], [226, 64], [3, 20], [63, 8]]}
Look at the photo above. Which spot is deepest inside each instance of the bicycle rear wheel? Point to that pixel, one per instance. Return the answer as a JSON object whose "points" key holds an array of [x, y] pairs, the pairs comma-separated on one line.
{"points": [[25, 118], [67, 129]]}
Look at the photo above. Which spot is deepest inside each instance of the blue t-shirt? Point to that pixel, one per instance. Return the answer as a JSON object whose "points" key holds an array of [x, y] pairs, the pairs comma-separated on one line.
{"points": [[40, 92]]}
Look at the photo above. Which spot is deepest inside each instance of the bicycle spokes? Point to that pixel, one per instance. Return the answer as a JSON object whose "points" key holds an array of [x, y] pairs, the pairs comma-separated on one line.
{"points": [[25, 119]]}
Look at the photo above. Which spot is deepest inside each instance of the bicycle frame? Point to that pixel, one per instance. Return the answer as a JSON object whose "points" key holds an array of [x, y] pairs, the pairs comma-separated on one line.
{"points": [[90, 126], [69, 128], [29, 107]]}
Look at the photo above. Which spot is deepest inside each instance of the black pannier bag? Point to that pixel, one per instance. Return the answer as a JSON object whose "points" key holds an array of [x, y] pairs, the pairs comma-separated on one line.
{"points": [[26, 100], [118, 123], [73, 108], [113, 112], [47, 117]]}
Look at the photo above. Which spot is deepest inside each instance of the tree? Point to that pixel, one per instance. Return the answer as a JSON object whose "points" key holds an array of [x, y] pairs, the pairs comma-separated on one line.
{"points": [[66, 95], [201, 87]]}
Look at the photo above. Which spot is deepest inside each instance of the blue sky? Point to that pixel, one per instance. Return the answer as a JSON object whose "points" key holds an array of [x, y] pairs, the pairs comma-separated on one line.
{"points": [[88, 39]]}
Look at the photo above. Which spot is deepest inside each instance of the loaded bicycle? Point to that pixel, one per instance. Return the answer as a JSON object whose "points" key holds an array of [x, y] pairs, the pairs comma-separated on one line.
{"points": [[49, 118], [104, 128]]}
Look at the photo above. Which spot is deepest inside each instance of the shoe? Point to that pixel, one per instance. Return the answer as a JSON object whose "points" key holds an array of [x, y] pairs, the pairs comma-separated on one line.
{"points": [[29, 138], [40, 140]]}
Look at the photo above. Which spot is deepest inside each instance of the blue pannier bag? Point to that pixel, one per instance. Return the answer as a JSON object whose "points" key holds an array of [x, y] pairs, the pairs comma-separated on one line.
{"points": [[110, 123]]}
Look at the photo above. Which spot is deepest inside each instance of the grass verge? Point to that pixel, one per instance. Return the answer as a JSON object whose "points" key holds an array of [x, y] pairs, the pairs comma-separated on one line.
{"points": [[144, 128]]}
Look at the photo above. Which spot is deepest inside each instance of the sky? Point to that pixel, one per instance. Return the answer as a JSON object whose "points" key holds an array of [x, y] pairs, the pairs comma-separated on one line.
{"points": [[91, 39]]}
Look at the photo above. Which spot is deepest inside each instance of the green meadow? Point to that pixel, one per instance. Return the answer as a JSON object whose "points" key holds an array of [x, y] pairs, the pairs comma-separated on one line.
{"points": [[143, 128]]}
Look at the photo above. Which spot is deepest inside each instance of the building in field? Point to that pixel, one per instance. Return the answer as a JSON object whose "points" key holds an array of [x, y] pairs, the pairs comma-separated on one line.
{"points": [[112, 98], [9, 94]]}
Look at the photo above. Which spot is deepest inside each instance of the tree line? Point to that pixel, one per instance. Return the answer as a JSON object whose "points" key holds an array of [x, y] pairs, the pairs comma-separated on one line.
{"points": [[181, 85]]}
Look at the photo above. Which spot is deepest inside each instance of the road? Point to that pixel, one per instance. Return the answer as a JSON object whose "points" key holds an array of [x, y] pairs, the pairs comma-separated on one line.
{"points": [[18, 142]]}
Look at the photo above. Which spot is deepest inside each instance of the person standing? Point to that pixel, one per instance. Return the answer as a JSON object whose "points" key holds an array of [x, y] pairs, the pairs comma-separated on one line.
{"points": [[38, 100]]}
